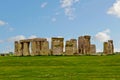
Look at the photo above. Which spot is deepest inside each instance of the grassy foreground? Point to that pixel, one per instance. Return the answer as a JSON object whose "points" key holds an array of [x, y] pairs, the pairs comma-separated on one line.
{"points": [[60, 68]]}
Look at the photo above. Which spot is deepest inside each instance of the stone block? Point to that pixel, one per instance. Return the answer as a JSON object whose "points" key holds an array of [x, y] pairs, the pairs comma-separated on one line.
{"points": [[57, 46], [92, 49]]}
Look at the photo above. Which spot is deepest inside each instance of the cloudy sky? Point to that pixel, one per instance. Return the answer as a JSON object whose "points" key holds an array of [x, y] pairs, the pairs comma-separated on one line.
{"points": [[21, 19]]}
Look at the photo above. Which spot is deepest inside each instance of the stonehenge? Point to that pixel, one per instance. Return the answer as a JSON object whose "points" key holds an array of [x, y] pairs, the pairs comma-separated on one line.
{"points": [[40, 46], [108, 47]]}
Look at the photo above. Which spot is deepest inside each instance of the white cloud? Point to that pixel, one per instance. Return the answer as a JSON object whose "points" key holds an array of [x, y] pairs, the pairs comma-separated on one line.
{"points": [[77, 1], [2, 23], [115, 9], [116, 50], [20, 37], [54, 19], [32, 36], [67, 5], [12, 39], [99, 50], [43, 5], [16, 38], [8, 49], [57, 13], [103, 36], [11, 29], [1, 41], [59, 37]]}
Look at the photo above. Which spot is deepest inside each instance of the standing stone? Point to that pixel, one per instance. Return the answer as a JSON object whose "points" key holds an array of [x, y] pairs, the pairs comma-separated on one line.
{"points": [[106, 48], [26, 51], [34, 48], [92, 49], [45, 48], [84, 44], [68, 48], [71, 47], [16, 52], [74, 41], [20, 49], [81, 45], [38, 47], [87, 44], [111, 46], [57, 46]]}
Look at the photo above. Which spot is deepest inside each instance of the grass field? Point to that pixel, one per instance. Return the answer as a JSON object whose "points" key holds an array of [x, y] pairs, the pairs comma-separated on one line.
{"points": [[60, 68]]}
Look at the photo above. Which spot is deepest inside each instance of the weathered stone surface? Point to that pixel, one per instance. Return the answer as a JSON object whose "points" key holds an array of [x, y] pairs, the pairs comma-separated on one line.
{"points": [[25, 40], [20, 49], [39, 39], [84, 44], [105, 47], [111, 46], [92, 49], [57, 46], [45, 48], [26, 51], [74, 41], [108, 47], [71, 47], [68, 48], [35, 39], [16, 48], [87, 44], [38, 47], [34, 48], [81, 46]]}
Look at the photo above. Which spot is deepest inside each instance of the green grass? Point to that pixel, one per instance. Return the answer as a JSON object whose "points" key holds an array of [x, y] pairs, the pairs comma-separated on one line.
{"points": [[60, 68]]}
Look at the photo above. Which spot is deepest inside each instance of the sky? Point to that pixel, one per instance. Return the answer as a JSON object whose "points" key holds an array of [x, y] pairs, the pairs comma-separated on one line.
{"points": [[23, 19]]}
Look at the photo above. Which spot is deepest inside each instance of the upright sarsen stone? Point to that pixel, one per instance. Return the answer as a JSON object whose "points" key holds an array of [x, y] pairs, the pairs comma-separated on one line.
{"points": [[16, 48], [92, 49], [81, 45], [20, 49], [26, 46], [45, 48], [74, 42], [84, 44], [68, 48], [34, 48], [57, 46], [26, 51], [39, 46], [108, 47], [111, 46], [87, 44], [105, 50], [71, 47]]}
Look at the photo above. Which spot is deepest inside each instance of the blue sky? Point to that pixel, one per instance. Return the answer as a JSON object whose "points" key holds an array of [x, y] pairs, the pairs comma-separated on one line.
{"points": [[20, 19]]}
